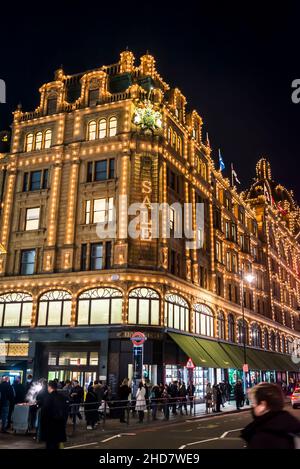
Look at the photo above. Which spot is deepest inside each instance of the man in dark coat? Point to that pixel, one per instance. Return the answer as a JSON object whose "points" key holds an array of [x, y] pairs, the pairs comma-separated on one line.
{"points": [[6, 400], [124, 391], [54, 414], [239, 394], [272, 427]]}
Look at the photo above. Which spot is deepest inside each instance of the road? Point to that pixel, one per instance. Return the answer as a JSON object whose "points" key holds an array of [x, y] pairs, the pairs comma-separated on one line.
{"points": [[217, 432]]}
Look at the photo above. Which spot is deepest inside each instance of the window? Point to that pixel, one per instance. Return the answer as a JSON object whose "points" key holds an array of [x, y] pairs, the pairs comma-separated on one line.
{"points": [[35, 180], [96, 256], [227, 230], [27, 262], [203, 320], [102, 128], [38, 141], [228, 260], [54, 308], [176, 312], [179, 145], [221, 325], [231, 325], [112, 127], [29, 142], [283, 344], [99, 210], [92, 128], [100, 170], [218, 251], [15, 309], [32, 218], [93, 97], [111, 171], [172, 218], [51, 105], [242, 331], [99, 306], [266, 339], [48, 138], [256, 335], [83, 257], [144, 307], [108, 255], [272, 341], [234, 262]]}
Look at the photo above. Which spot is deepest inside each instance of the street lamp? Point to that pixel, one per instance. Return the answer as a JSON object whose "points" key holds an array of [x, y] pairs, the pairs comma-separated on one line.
{"points": [[249, 277]]}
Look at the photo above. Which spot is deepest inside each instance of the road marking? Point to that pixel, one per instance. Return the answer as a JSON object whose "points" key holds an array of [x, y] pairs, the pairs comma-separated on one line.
{"points": [[210, 439], [117, 436], [79, 446]]}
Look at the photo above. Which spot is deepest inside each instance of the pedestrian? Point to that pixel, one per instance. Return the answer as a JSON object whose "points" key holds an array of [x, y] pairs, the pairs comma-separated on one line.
{"points": [[239, 394], [28, 384], [182, 392], [155, 397], [208, 398], [191, 393], [91, 409], [6, 399], [19, 390], [124, 392], [40, 399], [54, 416], [222, 387], [228, 391], [217, 398], [173, 392], [76, 399], [140, 405], [272, 427], [165, 397]]}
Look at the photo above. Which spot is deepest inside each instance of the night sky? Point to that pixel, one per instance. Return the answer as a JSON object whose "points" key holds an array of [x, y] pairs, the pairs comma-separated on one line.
{"points": [[235, 64]]}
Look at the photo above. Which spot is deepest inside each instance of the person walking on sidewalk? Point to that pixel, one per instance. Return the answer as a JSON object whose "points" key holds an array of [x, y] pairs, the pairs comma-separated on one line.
{"points": [[208, 397], [140, 405], [272, 427], [182, 392], [54, 415], [166, 400], [124, 391], [239, 394], [217, 398], [91, 408], [155, 396], [191, 392], [76, 398], [6, 400]]}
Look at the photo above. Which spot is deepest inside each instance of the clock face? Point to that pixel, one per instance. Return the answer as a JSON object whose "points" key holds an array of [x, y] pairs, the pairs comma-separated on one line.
{"points": [[146, 117]]}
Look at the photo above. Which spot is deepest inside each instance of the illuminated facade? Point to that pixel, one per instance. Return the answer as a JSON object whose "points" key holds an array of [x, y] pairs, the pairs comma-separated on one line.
{"points": [[70, 299]]}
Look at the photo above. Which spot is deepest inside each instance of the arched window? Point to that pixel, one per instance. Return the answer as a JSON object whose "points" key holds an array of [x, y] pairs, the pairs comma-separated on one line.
{"points": [[54, 308], [102, 128], [242, 331], [256, 335], [176, 312], [15, 309], [29, 142], [48, 138], [174, 139], [289, 345], [92, 130], [170, 134], [204, 320], [112, 131], [38, 141], [266, 339], [278, 344], [99, 306], [283, 344], [143, 306], [179, 145], [272, 341], [231, 332], [221, 325]]}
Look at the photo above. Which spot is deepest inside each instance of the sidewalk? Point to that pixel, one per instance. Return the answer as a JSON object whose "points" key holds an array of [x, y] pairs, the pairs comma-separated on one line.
{"points": [[112, 426]]}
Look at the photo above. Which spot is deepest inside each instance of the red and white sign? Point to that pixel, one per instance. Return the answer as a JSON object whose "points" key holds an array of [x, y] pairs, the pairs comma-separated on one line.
{"points": [[138, 339], [190, 364], [245, 368]]}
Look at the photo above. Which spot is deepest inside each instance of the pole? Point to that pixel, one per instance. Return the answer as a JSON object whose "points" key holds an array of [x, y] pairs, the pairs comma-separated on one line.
{"points": [[244, 338]]}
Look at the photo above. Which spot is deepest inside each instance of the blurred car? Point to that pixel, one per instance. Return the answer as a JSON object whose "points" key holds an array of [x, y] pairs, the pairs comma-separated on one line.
{"points": [[295, 398]]}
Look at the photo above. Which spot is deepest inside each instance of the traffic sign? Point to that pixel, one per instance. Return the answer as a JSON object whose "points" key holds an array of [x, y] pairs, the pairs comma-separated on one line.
{"points": [[138, 339], [190, 364]]}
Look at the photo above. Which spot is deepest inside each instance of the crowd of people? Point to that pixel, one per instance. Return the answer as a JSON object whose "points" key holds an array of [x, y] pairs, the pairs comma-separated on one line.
{"points": [[54, 402]]}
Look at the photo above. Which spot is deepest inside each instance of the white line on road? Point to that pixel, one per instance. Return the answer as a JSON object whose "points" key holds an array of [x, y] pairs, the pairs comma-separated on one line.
{"points": [[118, 436], [79, 446], [210, 439]]}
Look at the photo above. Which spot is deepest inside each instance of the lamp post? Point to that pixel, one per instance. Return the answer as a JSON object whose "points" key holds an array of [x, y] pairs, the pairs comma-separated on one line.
{"points": [[249, 277]]}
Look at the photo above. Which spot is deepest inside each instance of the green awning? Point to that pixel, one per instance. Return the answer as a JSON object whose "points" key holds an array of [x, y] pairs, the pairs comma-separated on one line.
{"points": [[191, 348], [266, 363], [236, 355], [215, 350]]}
